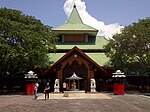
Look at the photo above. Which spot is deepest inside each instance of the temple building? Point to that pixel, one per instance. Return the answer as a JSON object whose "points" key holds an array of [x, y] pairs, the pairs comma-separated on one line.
{"points": [[79, 62], [79, 51]]}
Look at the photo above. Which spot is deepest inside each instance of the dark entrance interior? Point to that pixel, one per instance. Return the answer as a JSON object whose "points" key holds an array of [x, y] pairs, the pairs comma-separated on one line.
{"points": [[80, 71]]}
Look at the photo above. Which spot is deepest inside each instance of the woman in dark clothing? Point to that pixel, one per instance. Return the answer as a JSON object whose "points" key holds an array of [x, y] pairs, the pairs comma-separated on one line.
{"points": [[46, 91]]}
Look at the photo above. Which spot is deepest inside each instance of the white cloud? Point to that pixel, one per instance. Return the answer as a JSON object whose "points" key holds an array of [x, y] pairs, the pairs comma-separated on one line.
{"points": [[104, 30]]}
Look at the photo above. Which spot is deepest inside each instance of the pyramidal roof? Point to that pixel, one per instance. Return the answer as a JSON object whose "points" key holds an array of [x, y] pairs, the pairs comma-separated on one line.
{"points": [[75, 25], [74, 17]]}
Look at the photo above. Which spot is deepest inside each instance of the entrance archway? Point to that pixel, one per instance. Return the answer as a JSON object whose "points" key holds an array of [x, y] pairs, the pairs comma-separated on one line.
{"points": [[79, 69]]}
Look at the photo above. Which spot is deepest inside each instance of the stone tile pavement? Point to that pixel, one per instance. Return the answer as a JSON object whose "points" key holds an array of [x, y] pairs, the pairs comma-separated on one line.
{"points": [[76, 96], [109, 103]]}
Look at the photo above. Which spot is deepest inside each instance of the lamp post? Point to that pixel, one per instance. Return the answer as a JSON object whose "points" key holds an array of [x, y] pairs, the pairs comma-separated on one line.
{"points": [[118, 82]]}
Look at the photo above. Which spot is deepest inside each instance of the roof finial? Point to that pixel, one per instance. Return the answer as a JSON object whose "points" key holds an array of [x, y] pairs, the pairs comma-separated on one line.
{"points": [[74, 6]]}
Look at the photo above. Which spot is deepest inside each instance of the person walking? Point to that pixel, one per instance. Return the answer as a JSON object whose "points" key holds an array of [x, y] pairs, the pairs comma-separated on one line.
{"points": [[36, 85], [46, 91]]}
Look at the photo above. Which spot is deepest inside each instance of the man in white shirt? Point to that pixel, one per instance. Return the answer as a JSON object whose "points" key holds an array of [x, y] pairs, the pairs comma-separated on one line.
{"points": [[64, 86]]}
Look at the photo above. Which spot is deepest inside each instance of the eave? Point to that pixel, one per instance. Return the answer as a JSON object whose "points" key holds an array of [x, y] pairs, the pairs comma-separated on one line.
{"points": [[84, 50], [75, 49]]}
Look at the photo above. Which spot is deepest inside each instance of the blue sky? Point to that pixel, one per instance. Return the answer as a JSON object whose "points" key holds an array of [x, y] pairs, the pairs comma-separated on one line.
{"points": [[51, 12], [110, 11]]}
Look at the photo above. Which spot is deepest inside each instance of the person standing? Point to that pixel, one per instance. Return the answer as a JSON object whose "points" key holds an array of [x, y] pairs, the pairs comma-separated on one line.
{"points": [[36, 85], [46, 91], [64, 86], [73, 85]]}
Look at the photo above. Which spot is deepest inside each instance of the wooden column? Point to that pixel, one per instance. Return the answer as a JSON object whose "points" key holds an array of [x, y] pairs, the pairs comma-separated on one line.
{"points": [[91, 74]]}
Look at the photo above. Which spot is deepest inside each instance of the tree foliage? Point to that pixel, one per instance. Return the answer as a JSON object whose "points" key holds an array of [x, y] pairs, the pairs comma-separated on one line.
{"points": [[24, 42], [130, 50]]}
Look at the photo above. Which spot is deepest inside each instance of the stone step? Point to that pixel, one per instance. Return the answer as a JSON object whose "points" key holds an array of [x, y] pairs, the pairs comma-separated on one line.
{"points": [[74, 93]]}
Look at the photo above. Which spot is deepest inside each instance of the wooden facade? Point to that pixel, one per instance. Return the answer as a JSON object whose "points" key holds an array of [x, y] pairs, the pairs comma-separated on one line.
{"points": [[74, 38], [76, 61]]}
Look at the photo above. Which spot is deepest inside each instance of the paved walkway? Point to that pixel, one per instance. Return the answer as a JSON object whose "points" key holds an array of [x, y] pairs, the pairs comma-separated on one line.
{"points": [[108, 103], [76, 96]]}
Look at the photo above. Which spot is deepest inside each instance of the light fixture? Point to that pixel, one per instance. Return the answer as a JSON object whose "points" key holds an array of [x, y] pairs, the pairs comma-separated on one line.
{"points": [[75, 55]]}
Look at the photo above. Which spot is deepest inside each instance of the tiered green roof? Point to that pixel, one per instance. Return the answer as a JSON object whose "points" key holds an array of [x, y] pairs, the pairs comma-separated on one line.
{"points": [[100, 58], [75, 25], [74, 17], [99, 43]]}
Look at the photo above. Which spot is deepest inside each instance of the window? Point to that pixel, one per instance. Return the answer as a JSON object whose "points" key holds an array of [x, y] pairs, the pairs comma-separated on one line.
{"points": [[74, 38]]}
